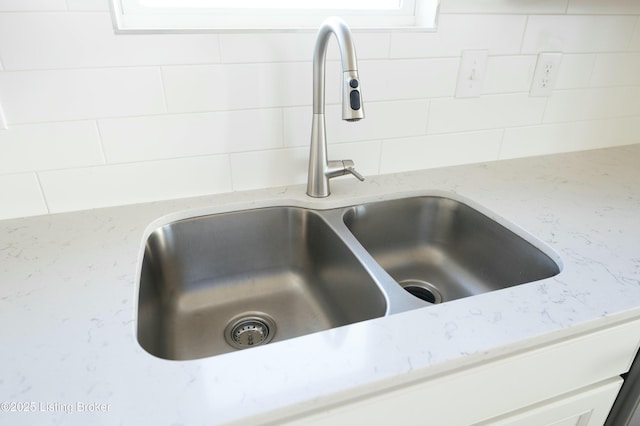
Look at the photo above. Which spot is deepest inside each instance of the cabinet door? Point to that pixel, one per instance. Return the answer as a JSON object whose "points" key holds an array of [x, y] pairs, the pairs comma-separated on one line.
{"points": [[585, 407]]}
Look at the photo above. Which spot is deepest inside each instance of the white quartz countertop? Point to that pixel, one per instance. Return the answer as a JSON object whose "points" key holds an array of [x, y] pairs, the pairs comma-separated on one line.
{"points": [[68, 290]]}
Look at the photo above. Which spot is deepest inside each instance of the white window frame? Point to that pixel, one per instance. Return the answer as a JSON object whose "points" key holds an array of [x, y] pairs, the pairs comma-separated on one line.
{"points": [[137, 16]]}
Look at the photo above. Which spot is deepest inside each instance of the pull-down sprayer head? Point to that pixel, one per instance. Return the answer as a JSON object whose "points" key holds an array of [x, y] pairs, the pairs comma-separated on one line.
{"points": [[351, 98]]}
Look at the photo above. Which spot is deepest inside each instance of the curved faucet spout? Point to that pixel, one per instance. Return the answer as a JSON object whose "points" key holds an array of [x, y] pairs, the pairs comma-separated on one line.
{"points": [[320, 169], [348, 57]]}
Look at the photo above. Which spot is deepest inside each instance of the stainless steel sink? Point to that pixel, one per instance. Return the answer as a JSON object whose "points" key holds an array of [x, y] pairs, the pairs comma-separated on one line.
{"points": [[210, 285], [440, 249], [219, 283]]}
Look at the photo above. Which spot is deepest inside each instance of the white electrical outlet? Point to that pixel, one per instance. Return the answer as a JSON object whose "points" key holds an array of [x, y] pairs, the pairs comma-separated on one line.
{"points": [[471, 73], [546, 74]]}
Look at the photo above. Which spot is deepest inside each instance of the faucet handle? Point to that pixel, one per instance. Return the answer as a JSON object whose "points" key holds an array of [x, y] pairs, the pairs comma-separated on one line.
{"points": [[341, 168], [349, 167]]}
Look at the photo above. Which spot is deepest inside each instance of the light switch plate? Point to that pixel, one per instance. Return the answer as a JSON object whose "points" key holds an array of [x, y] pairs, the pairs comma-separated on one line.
{"points": [[546, 74], [471, 73]]}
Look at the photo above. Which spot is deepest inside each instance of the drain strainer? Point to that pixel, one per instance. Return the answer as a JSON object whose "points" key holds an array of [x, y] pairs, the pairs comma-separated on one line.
{"points": [[250, 329], [422, 290]]}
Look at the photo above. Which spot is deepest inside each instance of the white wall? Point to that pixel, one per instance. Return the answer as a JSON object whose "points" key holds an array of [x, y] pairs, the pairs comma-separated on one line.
{"points": [[96, 119]]}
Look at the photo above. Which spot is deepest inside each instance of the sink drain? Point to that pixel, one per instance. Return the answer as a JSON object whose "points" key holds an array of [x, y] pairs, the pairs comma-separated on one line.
{"points": [[422, 290], [250, 329]]}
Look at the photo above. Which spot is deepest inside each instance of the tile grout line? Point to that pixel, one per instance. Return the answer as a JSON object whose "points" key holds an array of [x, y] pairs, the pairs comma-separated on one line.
{"points": [[524, 34], [3, 120], [100, 142], [164, 90], [42, 193]]}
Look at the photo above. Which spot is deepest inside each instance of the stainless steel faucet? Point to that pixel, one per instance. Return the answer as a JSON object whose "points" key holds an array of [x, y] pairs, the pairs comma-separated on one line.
{"points": [[320, 168]]}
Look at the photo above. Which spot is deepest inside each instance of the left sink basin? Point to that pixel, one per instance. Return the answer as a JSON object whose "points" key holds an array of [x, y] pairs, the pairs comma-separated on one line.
{"points": [[218, 283]]}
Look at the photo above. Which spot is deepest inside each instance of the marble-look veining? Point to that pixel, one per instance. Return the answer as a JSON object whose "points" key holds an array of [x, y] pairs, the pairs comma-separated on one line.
{"points": [[68, 300]]}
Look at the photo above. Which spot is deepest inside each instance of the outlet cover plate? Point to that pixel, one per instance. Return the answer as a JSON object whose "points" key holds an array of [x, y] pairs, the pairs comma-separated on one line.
{"points": [[546, 74]]}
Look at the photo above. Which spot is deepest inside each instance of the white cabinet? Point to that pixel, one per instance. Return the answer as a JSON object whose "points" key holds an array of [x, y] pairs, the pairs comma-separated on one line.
{"points": [[569, 382], [586, 407]]}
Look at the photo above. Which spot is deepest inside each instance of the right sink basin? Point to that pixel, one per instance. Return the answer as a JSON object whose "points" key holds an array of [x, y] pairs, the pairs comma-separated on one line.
{"points": [[440, 249]]}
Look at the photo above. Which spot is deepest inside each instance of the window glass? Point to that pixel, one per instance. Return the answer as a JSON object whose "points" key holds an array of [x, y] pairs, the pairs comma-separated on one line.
{"points": [[207, 15]]}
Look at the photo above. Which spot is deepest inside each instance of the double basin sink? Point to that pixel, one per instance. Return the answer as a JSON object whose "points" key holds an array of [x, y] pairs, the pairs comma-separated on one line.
{"points": [[219, 283]]}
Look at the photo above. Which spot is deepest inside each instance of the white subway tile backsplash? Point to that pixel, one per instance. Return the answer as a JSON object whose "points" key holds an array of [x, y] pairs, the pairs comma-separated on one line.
{"points": [[592, 104], [369, 45], [575, 71], [578, 34], [98, 119], [47, 146], [565, 137], [260, 169], [635, 40], [508, 74], [85, 188], [295, 47], [60, 95], [382, 120], [616, 69], [297, 125], [76, 40], [408, 78], [502, 6], [32, 5], [89, 5], [439, 150], [609, 7], [169, 136], [487, 112], [21, 196], [241, 86], [270, 47], [499, 34], [365, 155]]}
